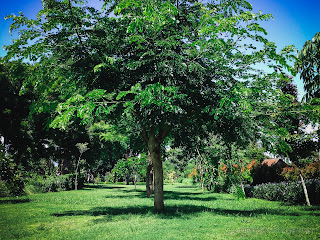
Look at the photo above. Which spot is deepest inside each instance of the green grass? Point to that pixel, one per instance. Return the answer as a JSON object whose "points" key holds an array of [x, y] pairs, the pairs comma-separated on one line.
{"points": [[120, 212]]}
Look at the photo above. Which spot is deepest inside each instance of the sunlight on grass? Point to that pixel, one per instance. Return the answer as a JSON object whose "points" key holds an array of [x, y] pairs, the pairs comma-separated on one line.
{"points": [[120, 212]]}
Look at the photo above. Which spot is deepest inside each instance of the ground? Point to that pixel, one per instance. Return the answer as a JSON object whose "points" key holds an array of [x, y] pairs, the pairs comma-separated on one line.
{"points": [[119, 212]]}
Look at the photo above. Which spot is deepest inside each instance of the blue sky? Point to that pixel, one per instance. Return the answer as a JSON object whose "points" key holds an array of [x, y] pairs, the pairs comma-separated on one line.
{"points": [[295, 21]]}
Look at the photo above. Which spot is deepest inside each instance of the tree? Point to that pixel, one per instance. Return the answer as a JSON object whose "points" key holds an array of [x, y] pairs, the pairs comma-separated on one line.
{"points": [[291, 119], [308, 64], [83, 147], [157, 68], [131, 167]]}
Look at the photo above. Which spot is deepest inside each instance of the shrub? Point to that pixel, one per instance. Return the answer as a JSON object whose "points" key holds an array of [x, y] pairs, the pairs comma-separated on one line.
{"points": [[16, 186], [194, 175], [311, 171], [291, 192], [171, 177], [248, 189], [42, 184], [10, 176], [4, 191]]}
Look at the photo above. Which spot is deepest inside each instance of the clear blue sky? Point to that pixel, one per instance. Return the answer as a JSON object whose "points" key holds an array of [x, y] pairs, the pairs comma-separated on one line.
{"points": [[295, 21]]}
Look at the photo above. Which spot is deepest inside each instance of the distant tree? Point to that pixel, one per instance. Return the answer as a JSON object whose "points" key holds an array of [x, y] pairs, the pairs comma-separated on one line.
{"points": [[308, 64], [82, 147], [131, 168], [292, 119]]}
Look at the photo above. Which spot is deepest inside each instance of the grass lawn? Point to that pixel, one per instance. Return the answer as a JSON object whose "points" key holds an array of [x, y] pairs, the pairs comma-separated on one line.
{"points": [[120, 212]]}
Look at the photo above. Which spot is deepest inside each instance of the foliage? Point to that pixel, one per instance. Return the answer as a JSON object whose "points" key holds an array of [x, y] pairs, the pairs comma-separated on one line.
{"points": [[82, 147], [177, 164], [171, 177], [291, 192], [308, 64], [10, 175], [41, 184], [4, 191], [126, 168], [311, 171]]}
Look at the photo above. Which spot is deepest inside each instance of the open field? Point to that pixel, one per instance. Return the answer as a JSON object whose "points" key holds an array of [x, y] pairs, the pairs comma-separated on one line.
{"points": [[120, 212]]}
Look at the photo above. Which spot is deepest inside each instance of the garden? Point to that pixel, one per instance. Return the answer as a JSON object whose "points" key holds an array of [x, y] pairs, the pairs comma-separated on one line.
{"points": [[157, 120]]}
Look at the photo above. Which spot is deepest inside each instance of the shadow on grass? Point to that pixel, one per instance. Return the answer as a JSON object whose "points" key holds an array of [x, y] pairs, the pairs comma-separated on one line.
{"points": [[169, 213], [181, 211], [311, 208], [187, 186], [101, 186], [176, 210], [14, 201], [168, 195]]}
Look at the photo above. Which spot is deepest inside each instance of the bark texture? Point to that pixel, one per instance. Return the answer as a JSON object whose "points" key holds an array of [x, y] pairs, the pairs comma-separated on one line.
{"points": [[154, 148], [153, 142], [76, 179], [149, 178]]}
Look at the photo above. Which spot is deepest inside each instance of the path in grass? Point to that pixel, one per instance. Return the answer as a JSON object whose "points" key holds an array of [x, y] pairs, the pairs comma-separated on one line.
{"points": [[120, 212]]}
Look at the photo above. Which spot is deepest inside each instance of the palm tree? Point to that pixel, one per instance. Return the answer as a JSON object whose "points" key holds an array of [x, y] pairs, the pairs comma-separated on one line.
{"points": [[308, 64]]}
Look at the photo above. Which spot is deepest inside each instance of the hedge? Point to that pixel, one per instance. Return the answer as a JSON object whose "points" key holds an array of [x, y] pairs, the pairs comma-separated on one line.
{"points": [[291, 192]]}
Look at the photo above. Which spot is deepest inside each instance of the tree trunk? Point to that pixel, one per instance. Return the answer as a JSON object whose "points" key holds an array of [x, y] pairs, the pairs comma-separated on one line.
{"points": [[148, 177], [201, 170], [76, 179], [135, 181], [152, 181], [154, 148], [305, 190], [202, 179], [242, 187], [127, 179]]}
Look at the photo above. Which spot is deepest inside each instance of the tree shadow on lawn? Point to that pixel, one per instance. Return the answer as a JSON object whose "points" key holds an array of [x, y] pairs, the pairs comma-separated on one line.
{"points": [[311, 208], [14, 201], [175, 210], [168, 195], [171, 212], [101, 186]]}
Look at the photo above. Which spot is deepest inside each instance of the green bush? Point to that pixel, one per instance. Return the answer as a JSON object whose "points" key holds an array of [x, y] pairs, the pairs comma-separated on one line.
{"points": [[16, 186], [291, 192], [4, 191], [42, 184], [10, 176]]}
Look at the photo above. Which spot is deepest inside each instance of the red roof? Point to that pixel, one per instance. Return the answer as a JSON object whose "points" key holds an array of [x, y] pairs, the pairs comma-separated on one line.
{"points": [[271, 162]]}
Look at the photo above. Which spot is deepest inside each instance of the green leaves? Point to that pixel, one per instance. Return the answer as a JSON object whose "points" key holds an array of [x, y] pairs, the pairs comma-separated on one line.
{"points": [[308, 64], [153, 98], [95, 104]]}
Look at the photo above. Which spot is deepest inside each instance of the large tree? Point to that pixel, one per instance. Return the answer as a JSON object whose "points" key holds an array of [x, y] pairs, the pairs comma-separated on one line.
{"points": [[150, 67]]}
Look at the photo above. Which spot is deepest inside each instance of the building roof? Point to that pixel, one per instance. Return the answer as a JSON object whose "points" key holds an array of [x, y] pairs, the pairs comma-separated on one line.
{"points": [[272, 161]]}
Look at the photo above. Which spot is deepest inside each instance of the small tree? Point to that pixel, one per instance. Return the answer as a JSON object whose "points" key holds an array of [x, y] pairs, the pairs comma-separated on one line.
{"points": [[131, 167], [83, 147]]}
